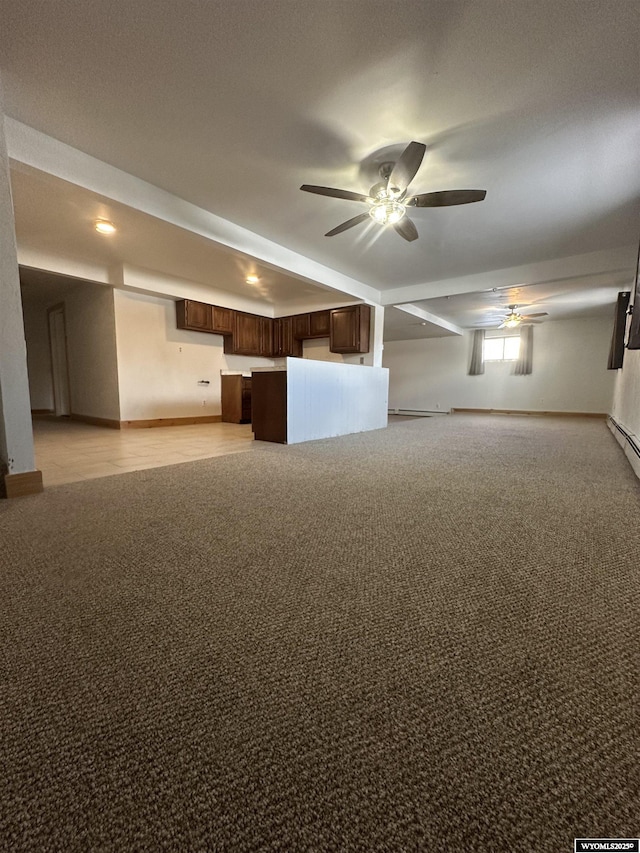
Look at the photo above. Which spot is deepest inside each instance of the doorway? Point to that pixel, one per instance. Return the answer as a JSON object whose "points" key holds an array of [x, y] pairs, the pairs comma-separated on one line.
{"points": [[59, 361]]}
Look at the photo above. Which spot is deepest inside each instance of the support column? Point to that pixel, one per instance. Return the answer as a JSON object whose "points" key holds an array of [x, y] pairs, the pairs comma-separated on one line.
{"points": [[374, 356], [18, 474]]}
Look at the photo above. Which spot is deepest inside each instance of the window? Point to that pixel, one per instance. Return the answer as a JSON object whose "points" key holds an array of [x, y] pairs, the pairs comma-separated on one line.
{"points": [[501, 349]]}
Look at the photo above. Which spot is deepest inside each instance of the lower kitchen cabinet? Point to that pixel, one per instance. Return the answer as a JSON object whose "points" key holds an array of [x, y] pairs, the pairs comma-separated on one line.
{"points": [[236, 398]]}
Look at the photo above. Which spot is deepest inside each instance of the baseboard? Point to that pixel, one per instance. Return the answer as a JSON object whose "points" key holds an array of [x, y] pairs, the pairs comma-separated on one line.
{"points": [[419, 413], [42, 411], [628, 442], [19, 485], [162, 422], [529, 412], [89, 419], [146, 423]]}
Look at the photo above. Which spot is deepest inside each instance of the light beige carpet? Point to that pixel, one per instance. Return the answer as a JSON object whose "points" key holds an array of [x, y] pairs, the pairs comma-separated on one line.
{"points": [[422, 638]]}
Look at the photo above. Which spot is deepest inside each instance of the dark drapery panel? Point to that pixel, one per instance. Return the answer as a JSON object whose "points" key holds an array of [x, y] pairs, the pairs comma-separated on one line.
{"points": [[616, 353], [634, 331], [476, 367], [524, 364]]}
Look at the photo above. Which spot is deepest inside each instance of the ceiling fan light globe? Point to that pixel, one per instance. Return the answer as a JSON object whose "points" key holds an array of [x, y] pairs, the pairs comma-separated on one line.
{"points": [[387, 212]]}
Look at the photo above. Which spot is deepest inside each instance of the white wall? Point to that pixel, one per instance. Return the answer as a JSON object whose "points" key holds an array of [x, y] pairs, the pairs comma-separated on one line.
{"points": [[91, 348], [16, 437], [626, 399], [159, 365], [318, 350], [569, 372]]}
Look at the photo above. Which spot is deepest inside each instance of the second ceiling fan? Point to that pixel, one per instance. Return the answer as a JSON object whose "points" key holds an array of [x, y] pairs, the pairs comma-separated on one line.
{"points": [[514, 319], [389, 199]]}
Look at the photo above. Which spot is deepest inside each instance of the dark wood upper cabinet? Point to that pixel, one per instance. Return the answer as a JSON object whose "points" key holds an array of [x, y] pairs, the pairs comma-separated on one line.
{"points": [[222, 320], [246, 338], [284, 341], [266, 337], [301, 326], [319, 324], [251, 334], [349, 332], [201, 317], [196, 316], [313, 325]]}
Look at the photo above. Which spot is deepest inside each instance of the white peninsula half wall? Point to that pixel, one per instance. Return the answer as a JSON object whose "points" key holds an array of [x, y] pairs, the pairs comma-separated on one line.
{"points": [[306, 400]]}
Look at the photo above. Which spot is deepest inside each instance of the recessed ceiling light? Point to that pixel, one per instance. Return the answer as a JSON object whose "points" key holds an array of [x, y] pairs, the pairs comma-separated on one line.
{"points": [[252, 279], [103, 226]]}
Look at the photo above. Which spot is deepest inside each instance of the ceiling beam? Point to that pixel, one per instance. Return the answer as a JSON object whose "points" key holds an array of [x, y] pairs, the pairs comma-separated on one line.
{"points": [[429, 318], [37, 151], [609, 261]]}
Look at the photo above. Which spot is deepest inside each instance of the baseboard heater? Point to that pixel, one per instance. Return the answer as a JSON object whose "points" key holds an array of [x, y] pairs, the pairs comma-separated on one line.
{"points": [[629, 438]]}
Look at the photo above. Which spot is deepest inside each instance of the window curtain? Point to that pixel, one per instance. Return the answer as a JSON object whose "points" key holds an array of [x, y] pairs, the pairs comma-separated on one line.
{"points": [[524, 363], [616, 353], [476, 366]]}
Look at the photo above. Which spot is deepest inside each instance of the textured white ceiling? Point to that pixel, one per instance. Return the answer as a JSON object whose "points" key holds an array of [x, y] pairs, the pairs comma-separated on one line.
{"points": [[233, 105]]}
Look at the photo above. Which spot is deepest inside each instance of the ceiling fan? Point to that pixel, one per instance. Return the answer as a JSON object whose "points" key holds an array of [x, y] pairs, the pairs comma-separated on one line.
{"points": [[513, 319], [389, 199]]}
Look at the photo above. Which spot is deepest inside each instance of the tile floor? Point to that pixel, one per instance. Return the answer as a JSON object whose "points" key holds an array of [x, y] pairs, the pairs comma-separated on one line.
{"points": [[68, 451]]}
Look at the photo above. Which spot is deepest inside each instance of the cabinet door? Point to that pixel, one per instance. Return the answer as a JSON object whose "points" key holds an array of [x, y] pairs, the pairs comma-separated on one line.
{"points": [[286, 335], [284, 342], [246, 400], [349, 332], [231, 398], [193, 315], [222, 320], [247, 334], [266, 337], [277, 338], [301, 328], [319, 324], [236, 398]]}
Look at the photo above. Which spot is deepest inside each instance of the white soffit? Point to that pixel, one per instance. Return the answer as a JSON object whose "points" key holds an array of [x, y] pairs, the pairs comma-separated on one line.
{"points": [[37, 151]]}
